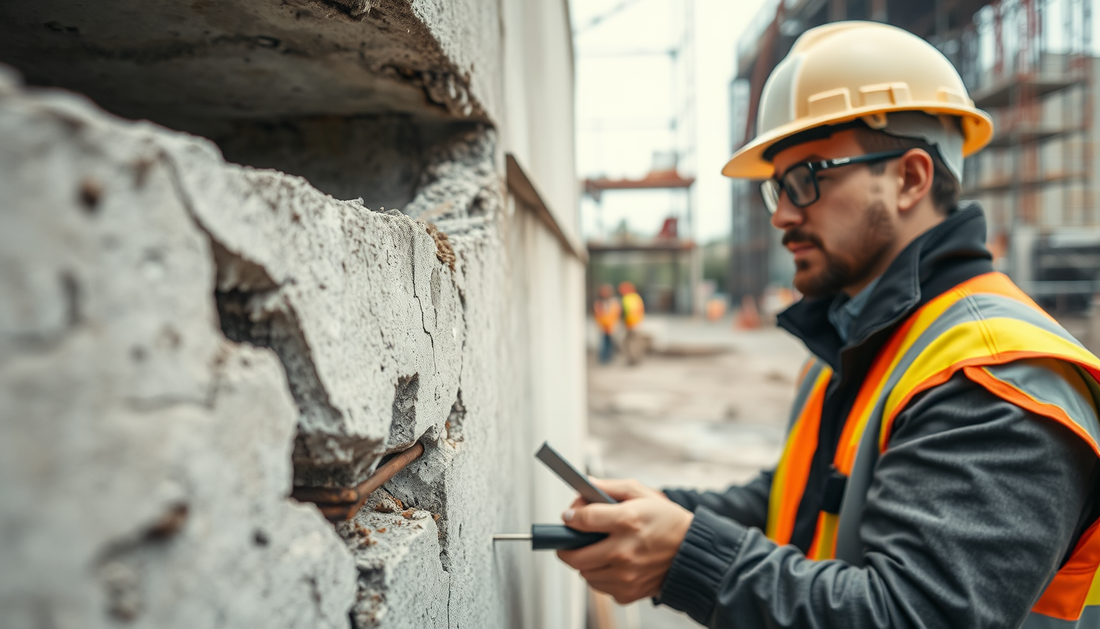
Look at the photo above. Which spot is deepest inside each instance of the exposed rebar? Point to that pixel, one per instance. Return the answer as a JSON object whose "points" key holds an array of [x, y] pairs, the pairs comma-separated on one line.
{"points": [[342, 503]]}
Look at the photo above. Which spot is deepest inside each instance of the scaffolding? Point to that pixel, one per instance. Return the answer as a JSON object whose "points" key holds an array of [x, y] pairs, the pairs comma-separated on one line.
{"points": [[659, 259], [1030, 64]]}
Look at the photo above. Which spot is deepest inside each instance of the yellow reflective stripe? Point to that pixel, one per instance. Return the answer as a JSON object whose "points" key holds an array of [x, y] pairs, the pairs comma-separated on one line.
{"points": [[786, 492], [916, 325], [992, 341], [824, 544], [1093, 597]]}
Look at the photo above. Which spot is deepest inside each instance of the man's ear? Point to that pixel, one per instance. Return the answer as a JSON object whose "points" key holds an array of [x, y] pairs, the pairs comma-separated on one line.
{"points": [[915, 173]]}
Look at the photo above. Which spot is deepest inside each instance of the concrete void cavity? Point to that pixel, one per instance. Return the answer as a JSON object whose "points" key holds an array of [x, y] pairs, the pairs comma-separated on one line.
{"points": [[123, 400], [353, 95], [223, 319], [248, 60]]}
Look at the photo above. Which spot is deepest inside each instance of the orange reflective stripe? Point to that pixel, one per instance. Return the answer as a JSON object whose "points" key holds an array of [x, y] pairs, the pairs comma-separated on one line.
{"points": [[999, 284], [956, 349], [969, 342], [793, 470], [885, 363], [1009, 393], [1070, 589], [900, 342]]}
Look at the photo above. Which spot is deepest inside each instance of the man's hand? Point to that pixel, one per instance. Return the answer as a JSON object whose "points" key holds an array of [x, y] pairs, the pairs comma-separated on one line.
{"points": [[644, 533]]}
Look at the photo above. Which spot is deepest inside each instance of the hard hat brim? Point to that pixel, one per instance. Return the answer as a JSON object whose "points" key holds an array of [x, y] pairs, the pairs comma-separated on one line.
{"points": [[749, 163]]}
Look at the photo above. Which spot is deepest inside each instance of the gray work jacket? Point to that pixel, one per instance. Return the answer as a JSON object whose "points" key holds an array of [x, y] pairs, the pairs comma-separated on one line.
{"points": [[973, 507]]}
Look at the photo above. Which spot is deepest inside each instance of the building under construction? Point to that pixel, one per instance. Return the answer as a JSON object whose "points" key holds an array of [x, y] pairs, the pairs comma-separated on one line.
{"points": [[662, 259], [1030, 64]]}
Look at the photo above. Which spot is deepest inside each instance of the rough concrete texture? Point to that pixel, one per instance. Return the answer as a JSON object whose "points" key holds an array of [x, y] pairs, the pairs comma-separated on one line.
{"points": [[401, 581], [144, 459], [366, 319], [459, 188], [174, 60], [143, 281]]}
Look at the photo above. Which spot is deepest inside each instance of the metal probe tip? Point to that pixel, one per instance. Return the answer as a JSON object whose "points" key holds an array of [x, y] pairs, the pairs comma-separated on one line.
{"points": [[512, 537]]}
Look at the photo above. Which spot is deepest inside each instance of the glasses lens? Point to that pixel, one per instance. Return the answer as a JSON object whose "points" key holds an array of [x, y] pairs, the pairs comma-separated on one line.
{"points": [[770, 191], [799, 184]]}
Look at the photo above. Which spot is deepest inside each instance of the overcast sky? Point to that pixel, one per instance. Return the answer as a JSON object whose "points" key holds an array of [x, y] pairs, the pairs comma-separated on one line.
{"points": [[625, 102]]}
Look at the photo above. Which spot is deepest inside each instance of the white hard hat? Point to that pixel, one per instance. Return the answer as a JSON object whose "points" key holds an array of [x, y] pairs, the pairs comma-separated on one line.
{"points": [[847, 71]]}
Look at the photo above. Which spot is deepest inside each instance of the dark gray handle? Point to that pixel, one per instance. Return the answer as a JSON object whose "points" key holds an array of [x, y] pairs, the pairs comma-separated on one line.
{"points": [[559, 537]]}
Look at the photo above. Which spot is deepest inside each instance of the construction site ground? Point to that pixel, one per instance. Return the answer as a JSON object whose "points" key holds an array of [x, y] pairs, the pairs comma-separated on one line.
{"points": [[706, 407]]}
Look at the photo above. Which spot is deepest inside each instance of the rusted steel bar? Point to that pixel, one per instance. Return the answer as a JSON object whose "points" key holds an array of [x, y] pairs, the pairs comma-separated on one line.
{"points": [[325, 494], [342, 503], [389, 469]]}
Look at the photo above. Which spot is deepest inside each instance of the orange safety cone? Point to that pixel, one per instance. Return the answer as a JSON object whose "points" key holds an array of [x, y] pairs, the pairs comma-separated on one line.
{"points": [[748, 318]]}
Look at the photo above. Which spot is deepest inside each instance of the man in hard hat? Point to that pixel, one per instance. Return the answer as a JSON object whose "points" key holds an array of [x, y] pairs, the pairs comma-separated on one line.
{"points": [[941, 463], [633, 315], [608, 312]]}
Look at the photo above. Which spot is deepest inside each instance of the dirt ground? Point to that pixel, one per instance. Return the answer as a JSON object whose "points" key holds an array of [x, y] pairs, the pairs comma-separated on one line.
{"points": [[707, 408]]}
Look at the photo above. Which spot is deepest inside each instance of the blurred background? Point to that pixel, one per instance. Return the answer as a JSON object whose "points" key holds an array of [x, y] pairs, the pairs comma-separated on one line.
{"points": [[667, 90]]}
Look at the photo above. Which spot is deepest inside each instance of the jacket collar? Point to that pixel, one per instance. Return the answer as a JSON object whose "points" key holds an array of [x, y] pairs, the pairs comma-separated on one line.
{"points": [[937, 260]]}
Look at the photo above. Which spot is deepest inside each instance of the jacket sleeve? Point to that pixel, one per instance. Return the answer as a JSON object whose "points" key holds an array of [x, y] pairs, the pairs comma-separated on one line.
{"points": [[746, 504], [971, 511]]}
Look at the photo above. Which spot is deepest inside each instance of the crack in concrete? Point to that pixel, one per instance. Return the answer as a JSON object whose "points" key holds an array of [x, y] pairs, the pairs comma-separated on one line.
{"points": [[261, 318], [423, 317]]}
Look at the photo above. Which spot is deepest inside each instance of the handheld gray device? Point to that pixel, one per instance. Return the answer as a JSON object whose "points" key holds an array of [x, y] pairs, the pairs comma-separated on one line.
{"points": [[571, 476], [557, 536]]}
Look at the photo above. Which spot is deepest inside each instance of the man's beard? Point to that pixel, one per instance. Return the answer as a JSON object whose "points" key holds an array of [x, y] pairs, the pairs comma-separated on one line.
{"points": [[838, 273]]}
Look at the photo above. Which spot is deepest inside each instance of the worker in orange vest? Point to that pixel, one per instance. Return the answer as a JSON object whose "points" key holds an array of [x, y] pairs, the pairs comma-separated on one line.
{"points": [[633, 314], [608, 312], [942, 464]]}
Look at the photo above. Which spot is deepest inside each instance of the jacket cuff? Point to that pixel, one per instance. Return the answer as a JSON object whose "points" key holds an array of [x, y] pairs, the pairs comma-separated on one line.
{"points": [[683, 497], [704, 558]]}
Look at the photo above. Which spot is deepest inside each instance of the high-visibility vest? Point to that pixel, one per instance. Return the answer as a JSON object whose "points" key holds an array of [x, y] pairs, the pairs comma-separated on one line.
{"points": [[607, 314], [633, 310], [984, 322]]}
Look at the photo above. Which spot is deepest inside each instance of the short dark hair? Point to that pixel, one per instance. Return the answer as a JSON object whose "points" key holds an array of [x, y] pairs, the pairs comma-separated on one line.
{"points": [[945, 187]]}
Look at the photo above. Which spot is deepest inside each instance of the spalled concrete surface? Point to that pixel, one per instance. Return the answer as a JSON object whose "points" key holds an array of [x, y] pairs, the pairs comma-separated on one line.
{"points": [[401, 580], [363, 314], [175, 331], [175, 60], [182, 339], [144, 459]]}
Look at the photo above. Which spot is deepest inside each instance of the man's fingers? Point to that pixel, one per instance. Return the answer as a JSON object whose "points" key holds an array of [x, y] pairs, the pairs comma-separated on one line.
{"points": [[626, 586], [623, 489], [598, 518], [593, 557]]}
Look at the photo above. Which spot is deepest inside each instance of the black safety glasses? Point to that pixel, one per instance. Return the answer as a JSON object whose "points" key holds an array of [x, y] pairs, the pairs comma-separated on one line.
{"points": [[800, 180]]}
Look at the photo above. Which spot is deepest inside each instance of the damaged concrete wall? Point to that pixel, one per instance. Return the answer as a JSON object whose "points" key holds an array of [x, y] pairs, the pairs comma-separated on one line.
{"points": [[145, 458], [184, 339]]}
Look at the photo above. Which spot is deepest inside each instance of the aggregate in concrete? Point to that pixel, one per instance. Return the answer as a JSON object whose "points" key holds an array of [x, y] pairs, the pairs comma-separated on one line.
{"points": [[144, 458], [181, 339]]}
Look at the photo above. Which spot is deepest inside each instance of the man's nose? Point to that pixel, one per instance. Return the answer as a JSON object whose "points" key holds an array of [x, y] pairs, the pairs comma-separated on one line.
{"points": [[786, 215]]}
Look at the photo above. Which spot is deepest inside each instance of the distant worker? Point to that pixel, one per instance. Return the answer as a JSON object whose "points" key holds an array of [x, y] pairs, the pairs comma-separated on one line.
{"points": [[608, 312], [633, 314], [941, 466]]}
